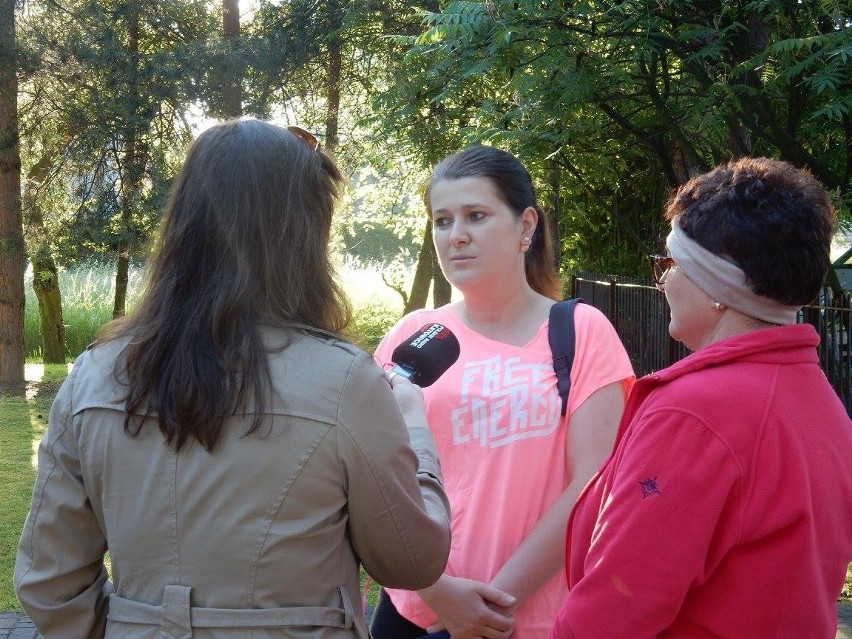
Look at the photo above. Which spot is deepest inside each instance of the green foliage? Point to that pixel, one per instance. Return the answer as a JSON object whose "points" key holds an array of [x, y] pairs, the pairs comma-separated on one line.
{"points": [[622, 102], [381, 222], [371, 322], [374, 244], [609, 105], [281, 44], [102, 111]]}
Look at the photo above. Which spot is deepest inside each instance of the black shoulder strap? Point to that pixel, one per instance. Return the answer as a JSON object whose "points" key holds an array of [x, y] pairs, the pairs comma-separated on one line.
{"points": [[560, 335]]}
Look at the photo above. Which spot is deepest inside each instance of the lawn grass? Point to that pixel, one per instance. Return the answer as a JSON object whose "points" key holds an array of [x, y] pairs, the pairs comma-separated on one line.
{"points": [[23, 419]]}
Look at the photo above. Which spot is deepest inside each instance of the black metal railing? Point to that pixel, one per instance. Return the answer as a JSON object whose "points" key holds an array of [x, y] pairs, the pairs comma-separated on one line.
{"points": [[641, 317]]}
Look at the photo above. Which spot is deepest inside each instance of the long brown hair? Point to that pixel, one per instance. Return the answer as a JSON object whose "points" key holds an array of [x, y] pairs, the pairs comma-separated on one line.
{"points": [[243, 242], [515, 186]]}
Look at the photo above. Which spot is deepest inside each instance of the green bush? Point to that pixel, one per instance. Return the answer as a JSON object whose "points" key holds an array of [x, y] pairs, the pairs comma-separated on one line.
{"points": [[370, 323]]}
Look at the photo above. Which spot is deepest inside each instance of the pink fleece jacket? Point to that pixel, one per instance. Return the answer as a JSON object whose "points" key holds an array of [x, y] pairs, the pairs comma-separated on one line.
{"points": [[725, 509]]}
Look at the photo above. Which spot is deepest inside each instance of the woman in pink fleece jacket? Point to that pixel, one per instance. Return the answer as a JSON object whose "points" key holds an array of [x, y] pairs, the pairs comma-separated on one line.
{"points": [[725, 509]]}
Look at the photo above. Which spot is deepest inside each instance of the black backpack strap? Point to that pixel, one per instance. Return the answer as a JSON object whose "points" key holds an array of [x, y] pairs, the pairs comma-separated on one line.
{"points": [[560, 335]]}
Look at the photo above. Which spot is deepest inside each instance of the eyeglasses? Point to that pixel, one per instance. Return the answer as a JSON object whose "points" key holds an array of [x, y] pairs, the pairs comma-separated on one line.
{"points": [[305, 136], [660, 267]]}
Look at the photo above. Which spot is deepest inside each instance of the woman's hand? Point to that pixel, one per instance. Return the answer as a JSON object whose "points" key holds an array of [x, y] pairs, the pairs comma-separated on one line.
{"points": [[410, 399], [470, 609]]}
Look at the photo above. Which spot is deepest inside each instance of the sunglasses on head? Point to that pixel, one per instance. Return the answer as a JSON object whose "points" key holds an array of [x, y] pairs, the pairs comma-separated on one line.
{"points": [[305, 136], [660, 266]]}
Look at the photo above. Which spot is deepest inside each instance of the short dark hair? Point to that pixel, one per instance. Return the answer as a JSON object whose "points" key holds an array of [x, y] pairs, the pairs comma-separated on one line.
{"points": [[243, 243], [515, 187], [773, 220]]}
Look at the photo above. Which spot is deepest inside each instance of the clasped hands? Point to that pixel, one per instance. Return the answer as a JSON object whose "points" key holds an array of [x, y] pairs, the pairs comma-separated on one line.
{"points": [[470, 609]]}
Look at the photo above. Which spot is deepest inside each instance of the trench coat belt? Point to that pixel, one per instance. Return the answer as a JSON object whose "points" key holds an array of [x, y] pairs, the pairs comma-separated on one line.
{"points": [[177, 617]]}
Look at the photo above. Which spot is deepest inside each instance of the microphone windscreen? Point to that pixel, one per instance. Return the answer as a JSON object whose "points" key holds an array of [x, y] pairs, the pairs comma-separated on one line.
{"points": [[427, 354]]}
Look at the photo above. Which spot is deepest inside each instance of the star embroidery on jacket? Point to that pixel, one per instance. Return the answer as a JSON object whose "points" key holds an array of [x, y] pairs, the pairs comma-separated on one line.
{"points": [[649, 487]]}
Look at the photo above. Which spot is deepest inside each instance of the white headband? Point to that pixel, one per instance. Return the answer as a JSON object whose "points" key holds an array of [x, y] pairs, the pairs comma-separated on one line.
{"points": [[723, 280]]}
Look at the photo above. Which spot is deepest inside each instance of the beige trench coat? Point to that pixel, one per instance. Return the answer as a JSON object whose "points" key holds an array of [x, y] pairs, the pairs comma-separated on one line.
{"points": [[261, 539]]}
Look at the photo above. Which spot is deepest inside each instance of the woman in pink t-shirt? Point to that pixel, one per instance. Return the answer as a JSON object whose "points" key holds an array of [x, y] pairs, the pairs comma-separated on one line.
{"points": [[513, 465]]}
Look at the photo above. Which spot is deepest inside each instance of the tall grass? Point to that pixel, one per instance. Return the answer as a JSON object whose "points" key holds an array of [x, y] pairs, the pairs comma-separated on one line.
{"points": [[88, 294]]}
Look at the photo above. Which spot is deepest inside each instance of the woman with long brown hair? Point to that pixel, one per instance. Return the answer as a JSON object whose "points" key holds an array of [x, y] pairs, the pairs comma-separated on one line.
{"points": [[237, 458]]}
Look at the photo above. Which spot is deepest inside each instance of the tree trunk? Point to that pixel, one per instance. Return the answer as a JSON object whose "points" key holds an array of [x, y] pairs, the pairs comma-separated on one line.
{"points": [[332, 118], [442, 291], [122, 268], [46, 287], [12, 254], [45, 273], [422, 274], [232, 88], [133, 169], [131, 186]]}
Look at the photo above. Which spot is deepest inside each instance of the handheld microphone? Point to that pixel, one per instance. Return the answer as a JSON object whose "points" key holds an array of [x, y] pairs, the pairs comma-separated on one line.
{"points": [[426, 355]]}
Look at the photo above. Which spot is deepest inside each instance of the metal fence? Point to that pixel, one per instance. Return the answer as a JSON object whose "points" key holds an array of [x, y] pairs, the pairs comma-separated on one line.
{"points": [[641, 317]]}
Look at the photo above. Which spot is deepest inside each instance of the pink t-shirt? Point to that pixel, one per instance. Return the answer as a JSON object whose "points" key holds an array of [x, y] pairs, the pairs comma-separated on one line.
{"points": [[495, 416]]}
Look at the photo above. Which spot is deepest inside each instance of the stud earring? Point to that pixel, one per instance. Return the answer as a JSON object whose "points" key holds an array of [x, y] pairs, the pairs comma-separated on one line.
{"points": [[719, 306]]}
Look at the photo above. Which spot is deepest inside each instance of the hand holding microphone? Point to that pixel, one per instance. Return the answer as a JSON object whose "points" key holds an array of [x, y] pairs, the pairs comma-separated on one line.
{"points": [[419, 361], [425, 356]]}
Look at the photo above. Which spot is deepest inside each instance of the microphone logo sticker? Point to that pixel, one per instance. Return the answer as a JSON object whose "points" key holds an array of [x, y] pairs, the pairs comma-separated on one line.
{"points": [[429, 332]]}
